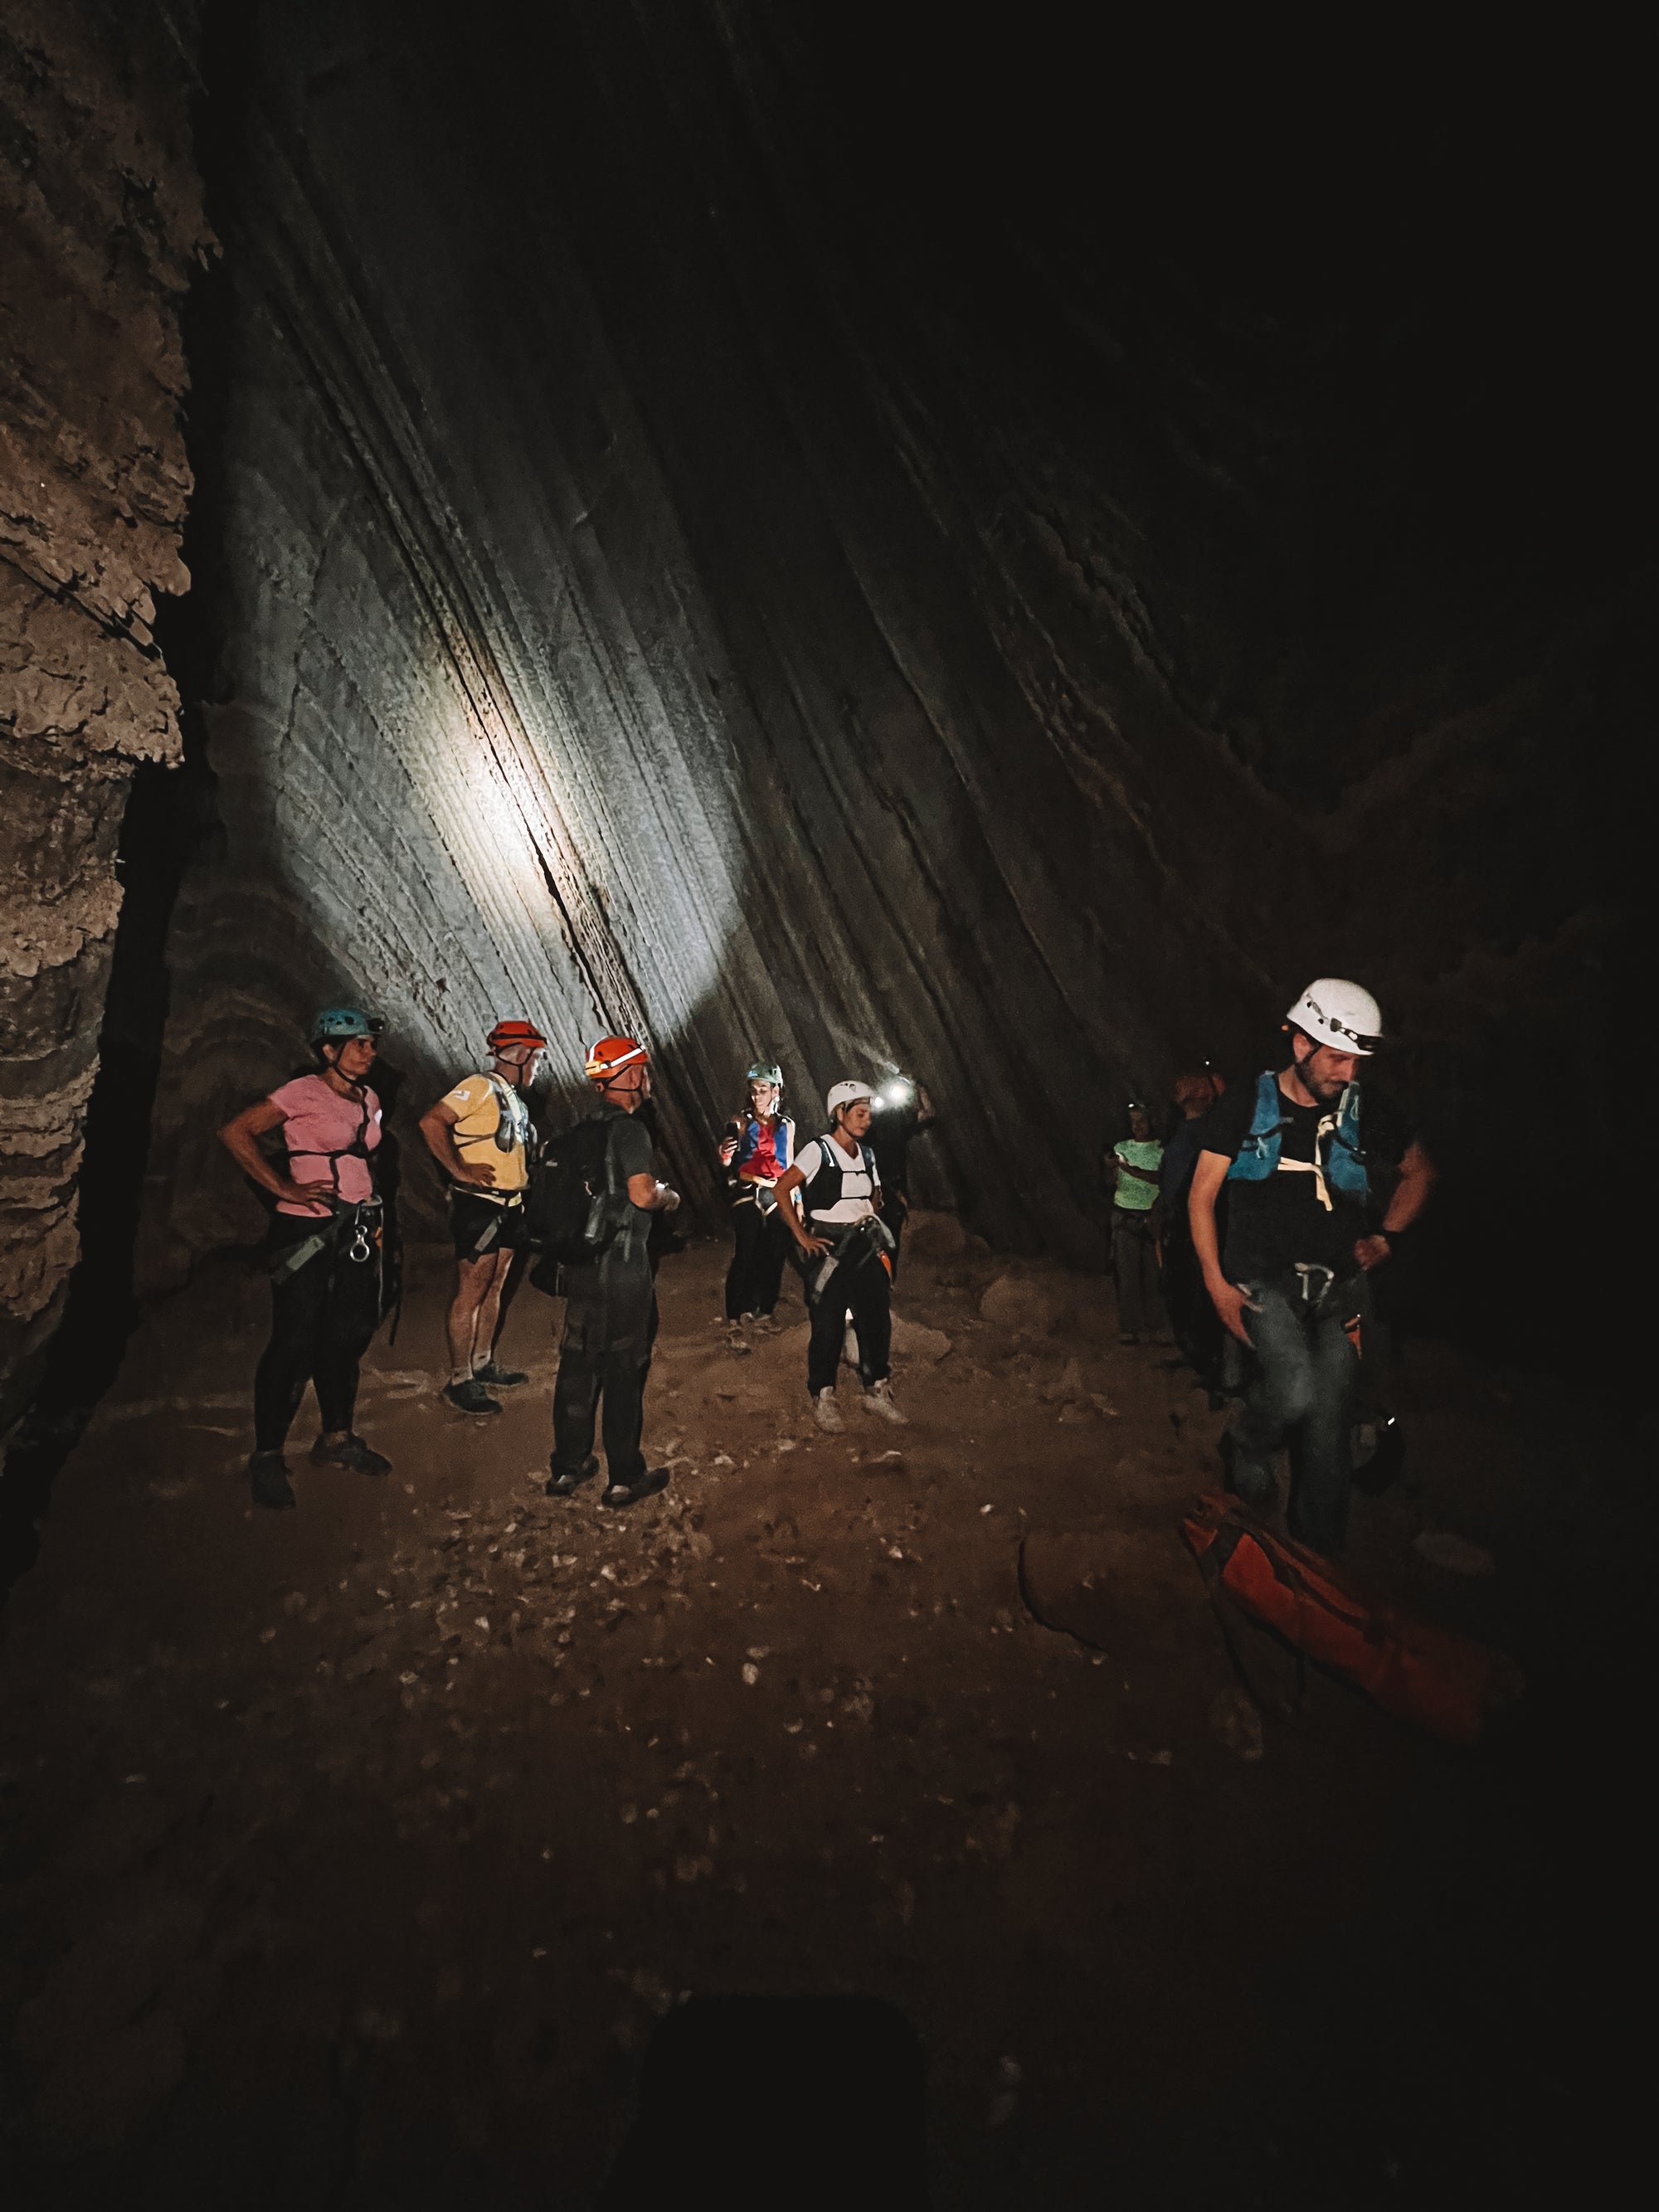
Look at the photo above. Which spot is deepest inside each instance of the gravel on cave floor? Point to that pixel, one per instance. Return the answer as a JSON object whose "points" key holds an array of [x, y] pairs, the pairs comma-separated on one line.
{"points": [[364, 1847]]}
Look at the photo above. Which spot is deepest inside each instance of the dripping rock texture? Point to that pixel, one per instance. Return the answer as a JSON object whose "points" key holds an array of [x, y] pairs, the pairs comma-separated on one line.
{"points": [[101, 212]]}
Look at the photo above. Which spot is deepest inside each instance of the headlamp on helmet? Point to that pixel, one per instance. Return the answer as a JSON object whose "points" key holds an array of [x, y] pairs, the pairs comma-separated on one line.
{"points": [[847, 1094], [340, 1024], [611, 1055], [1342, 1015]]}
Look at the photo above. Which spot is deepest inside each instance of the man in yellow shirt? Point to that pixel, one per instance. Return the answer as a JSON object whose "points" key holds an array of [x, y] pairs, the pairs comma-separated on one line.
{"points": [[480, 1135]]}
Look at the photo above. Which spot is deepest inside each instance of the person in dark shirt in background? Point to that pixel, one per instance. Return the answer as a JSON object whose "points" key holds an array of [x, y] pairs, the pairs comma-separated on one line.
{"points": [[902, 1111], [1198, 1330], [1302, 1153]]}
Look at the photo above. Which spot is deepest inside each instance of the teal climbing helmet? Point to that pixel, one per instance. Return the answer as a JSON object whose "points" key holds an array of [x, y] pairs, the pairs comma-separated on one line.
{"points": [[339, 1024], [766, 1070]]}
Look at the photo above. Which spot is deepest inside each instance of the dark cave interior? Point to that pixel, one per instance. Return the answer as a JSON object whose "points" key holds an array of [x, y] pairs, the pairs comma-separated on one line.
{"points": [[993, 552]]}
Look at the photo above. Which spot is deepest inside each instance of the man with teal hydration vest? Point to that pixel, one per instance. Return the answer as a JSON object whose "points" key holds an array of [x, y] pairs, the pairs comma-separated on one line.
{"points": [[1303, 1152]]}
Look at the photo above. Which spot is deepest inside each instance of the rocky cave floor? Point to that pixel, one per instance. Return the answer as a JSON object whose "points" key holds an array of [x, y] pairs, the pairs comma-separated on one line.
{"points": [[356, 1855]]}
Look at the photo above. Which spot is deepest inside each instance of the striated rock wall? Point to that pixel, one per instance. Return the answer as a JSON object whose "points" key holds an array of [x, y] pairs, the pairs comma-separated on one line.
{"points": [[708, 538], [101, 218]]}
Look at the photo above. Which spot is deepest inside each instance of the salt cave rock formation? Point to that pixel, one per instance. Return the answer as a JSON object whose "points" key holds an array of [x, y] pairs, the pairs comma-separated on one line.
{"points": [[101, 212], [701, 533]]}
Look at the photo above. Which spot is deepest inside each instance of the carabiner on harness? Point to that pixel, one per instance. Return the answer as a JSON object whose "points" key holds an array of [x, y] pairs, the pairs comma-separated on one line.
{"points": [[364, 1218]]}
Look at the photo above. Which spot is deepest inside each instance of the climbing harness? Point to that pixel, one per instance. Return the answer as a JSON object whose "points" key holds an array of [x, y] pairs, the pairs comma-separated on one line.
{"points": [[357, 1149], [861, 1241], [358, 1227]]}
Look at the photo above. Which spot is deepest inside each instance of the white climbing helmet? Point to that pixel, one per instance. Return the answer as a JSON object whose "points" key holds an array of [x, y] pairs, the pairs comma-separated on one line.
{"points": [[848, 1094], [1339, 1014]]}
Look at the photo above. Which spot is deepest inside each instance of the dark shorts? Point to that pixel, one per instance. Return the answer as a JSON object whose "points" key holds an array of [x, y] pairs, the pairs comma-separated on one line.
{"points": [[470, 1218]]}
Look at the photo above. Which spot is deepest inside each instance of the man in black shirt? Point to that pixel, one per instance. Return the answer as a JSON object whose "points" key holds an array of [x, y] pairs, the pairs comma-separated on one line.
{"points": [[610, 1309], [1302, 1152], [900, 1110]]}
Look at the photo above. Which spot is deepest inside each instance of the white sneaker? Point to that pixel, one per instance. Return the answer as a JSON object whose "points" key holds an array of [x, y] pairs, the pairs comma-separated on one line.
{"points": [[878, 1400], [827, 1414], [849, 1345]]}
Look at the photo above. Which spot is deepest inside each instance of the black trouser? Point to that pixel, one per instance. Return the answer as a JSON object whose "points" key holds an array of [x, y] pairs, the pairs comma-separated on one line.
{"points": [[323, 1320], [755, 1274], [609, 1327], [895, 1213], [861, 1292], [1193, 1316], [1134, 1262]]}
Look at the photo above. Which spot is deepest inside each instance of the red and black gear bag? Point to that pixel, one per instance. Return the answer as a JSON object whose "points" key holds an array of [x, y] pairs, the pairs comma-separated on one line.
{"points": [[1444, 1682]]}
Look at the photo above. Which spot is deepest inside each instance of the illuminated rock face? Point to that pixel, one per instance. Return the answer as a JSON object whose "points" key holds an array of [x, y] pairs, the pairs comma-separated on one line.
{"points": [[676, 570], [698, 540], [102, 216]]}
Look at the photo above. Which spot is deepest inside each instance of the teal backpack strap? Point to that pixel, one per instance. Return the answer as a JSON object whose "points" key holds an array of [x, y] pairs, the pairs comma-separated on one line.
{"points": [[1258, 1155], [1345, 1168]]}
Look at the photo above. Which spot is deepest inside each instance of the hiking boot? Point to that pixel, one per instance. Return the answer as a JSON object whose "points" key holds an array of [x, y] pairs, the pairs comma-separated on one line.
{"points": [[827, 1414], [351, 1451], [499, 1378], [268, 1472], [621, 1494], [471, 1397], [767, 1325], [878, 1400], [567, 1485]]}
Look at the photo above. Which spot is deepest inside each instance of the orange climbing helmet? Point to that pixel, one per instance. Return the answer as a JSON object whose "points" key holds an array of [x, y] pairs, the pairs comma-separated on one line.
{"points": [[611, 1055], [516, 1032]]}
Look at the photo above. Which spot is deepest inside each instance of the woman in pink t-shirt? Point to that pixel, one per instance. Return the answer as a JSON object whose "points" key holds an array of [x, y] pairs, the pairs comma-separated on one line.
{"points": [[324, 1249]]}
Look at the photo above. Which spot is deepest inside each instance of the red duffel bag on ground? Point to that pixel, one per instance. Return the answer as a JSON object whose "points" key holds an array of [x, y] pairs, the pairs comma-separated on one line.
{"points": [[1446, 1683]]}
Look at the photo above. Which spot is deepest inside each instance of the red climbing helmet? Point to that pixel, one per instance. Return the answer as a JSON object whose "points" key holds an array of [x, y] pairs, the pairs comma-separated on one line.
{"points": [[611, 1055], [515, 1031]]}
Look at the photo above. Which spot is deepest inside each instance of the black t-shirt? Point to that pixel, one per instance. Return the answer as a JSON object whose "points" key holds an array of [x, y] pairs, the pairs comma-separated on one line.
{"points": [[1273, 1223], [891, 1129], [630, 1155]]}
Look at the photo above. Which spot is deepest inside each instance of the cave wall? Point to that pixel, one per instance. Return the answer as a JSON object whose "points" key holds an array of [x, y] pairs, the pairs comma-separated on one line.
{"points": [[495, 524], [705, 538], [102, 221]]}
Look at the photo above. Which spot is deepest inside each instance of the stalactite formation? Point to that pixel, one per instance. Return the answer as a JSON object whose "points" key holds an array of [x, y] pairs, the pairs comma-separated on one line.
{"points": [[101, 211]]}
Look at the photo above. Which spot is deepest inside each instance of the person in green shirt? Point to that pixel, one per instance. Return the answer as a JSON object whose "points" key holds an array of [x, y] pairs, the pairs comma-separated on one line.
{"points": [[1136, 1165]]}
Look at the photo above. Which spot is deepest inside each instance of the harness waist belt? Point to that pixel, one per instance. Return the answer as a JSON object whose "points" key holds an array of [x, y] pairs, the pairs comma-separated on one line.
{"points": [[361, 1218], [859, 1241]]}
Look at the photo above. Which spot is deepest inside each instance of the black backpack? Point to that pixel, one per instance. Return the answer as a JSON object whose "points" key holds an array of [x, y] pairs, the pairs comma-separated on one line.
{"points": [[570, 1210]]}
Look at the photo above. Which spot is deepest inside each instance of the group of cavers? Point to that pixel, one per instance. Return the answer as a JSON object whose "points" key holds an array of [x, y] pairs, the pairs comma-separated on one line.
{"points": [[1257, 1222], [585, 1203], [1248, 1236]]}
